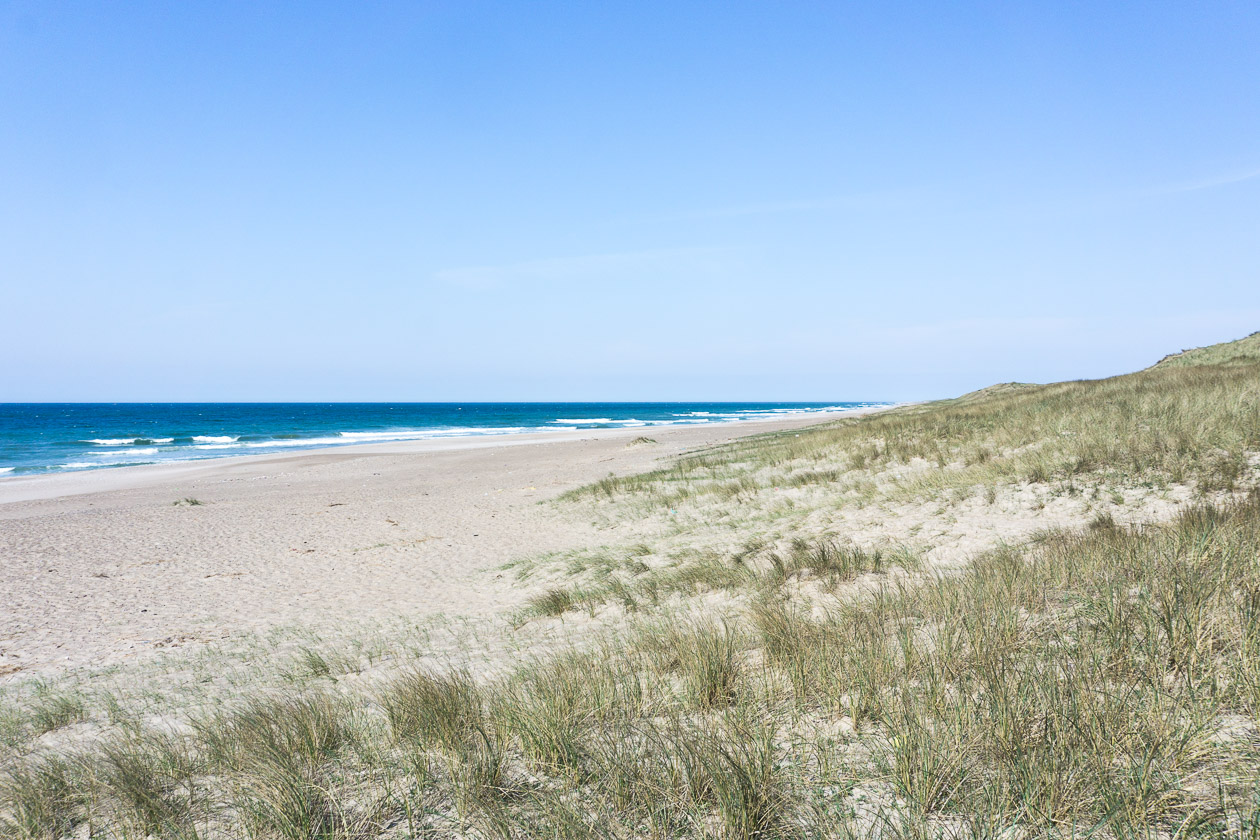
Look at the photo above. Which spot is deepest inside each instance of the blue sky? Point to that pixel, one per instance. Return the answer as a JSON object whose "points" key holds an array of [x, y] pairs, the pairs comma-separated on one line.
{"points": [[467, 200]]}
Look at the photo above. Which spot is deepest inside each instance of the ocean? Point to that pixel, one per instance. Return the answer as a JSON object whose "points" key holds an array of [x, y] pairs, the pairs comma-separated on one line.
{"points": [[58, 437]]}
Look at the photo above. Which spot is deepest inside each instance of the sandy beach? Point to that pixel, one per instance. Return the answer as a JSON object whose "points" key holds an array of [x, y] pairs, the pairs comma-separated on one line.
{"points": [[104, 566]]}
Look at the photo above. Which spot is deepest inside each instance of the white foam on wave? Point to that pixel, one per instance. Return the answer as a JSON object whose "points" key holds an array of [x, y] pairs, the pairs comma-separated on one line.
{"points": [[344, 438], [285, 444], [7, 469], [425, 434], [85, 465], [768, 413], [131, 449], [490, 430], [382, 437], [365, 437]]}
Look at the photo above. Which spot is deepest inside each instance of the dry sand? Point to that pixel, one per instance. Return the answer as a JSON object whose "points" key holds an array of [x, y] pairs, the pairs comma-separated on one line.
{"points": [[103, 567]]}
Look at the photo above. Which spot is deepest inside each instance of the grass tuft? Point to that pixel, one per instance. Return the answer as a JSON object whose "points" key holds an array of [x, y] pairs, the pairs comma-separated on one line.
{"points": [[150, 782], [704, 655], [433, 709], [45, 797], [555, 601], [53, 710]]}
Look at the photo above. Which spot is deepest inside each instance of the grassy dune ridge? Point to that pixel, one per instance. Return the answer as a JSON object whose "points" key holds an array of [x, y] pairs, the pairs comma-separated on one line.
{"points": [[760, 672], [1173, 424], [1243, 351]]}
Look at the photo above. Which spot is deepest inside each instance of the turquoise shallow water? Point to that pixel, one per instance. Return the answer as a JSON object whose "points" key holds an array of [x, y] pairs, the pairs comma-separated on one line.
{"points": [[58, 437]]}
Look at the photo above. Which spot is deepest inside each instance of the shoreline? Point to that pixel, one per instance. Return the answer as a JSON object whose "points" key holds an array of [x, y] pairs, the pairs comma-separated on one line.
{"points": [[105, 566], [27, 488]]}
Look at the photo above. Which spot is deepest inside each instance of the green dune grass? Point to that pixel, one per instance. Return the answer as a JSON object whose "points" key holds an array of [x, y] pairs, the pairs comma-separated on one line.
{"points": [[1243, 351], [1096, 681]]}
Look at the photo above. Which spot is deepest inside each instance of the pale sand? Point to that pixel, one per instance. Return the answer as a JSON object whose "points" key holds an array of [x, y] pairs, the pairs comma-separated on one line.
{"points": [[102, 567]]}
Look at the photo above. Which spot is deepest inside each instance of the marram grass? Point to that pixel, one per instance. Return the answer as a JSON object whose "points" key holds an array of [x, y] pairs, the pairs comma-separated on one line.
{"points": [[1093, 682], [1165, 425]]}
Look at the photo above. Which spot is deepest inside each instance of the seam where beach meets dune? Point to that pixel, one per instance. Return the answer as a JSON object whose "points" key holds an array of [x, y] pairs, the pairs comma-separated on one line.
{"points": [[1030, 611]]}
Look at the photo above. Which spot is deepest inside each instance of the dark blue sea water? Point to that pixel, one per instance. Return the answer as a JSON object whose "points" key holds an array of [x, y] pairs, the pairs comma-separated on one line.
{"points": [[56, 437]]}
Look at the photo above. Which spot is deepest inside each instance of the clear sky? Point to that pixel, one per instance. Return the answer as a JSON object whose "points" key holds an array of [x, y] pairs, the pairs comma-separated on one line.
{"points": [[636, 200]]}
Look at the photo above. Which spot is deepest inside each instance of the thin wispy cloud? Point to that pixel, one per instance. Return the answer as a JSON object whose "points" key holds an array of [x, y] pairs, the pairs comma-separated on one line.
{"points": [[1222, 180]]}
